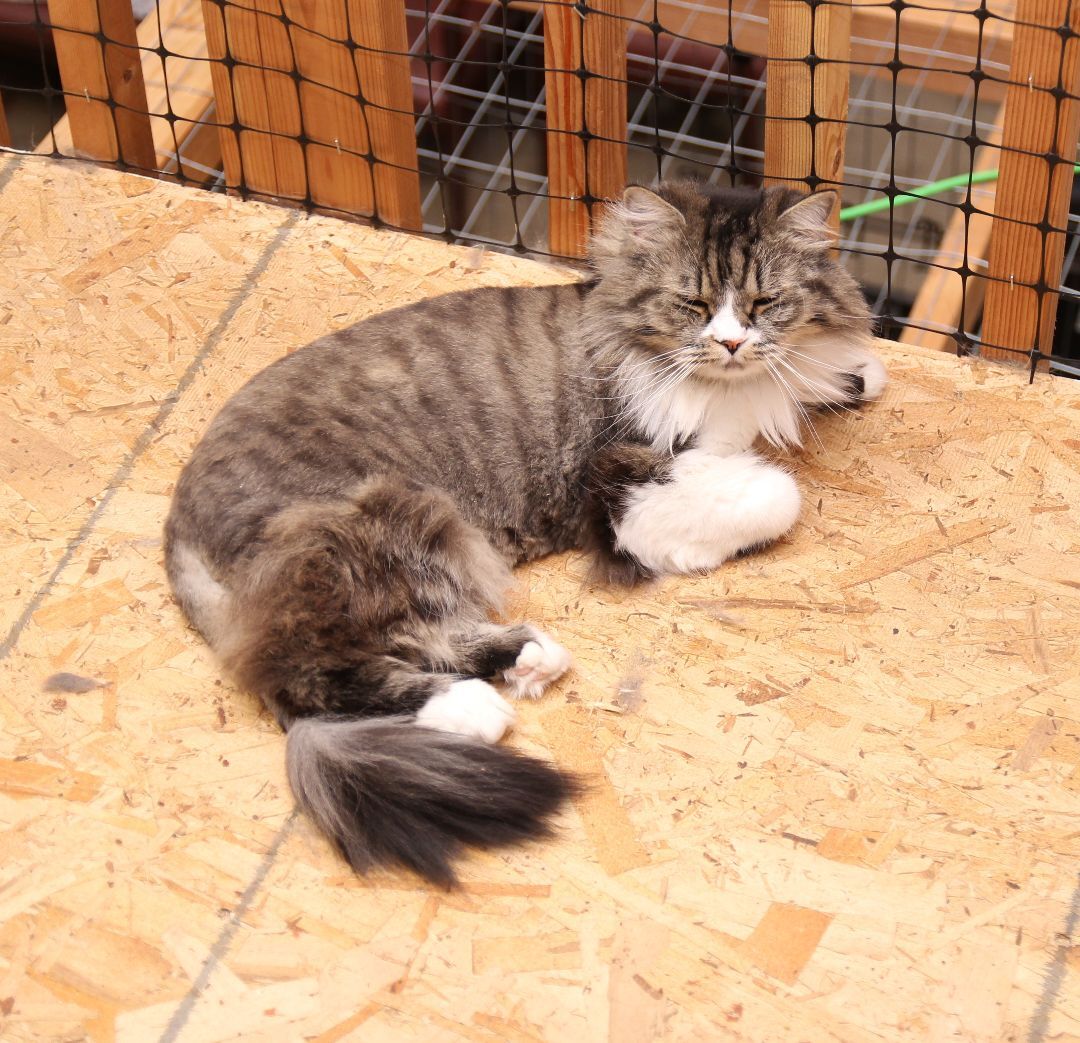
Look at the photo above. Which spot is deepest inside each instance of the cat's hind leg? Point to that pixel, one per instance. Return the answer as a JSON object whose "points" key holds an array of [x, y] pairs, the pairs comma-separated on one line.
{"points": [[348, 606], [706, 510], [336, 620], [526, 658]]}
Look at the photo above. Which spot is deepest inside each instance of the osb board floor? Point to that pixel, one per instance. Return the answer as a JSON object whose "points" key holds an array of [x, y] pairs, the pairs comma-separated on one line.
{"points": [[834, 787]]}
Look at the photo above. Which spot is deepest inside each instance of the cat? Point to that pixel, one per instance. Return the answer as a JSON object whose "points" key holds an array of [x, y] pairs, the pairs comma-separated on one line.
{"points": [[344, 532]]}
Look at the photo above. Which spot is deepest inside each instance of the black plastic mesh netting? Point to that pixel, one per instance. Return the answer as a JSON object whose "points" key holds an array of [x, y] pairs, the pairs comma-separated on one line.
{"points": [[456, 118]]}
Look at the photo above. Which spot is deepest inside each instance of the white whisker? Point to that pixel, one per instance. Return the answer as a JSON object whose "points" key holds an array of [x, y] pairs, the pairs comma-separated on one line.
{"points": [[787, 389], [829, 400]]}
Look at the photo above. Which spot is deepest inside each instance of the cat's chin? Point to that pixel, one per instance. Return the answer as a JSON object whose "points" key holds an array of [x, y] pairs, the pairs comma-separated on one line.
{"points": [[729, 373]]}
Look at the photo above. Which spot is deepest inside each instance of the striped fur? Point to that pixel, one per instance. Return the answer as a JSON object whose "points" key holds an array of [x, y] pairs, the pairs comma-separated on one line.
{"points": [[346, 526]]}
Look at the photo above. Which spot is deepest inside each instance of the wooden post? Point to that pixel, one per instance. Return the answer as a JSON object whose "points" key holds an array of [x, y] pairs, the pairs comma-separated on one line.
{"points": [[568, 220], [1025, 262], [796, 149], [594, 166], [5, 132], [93, 72], [176, 25], [604, 45], [386, 83]]}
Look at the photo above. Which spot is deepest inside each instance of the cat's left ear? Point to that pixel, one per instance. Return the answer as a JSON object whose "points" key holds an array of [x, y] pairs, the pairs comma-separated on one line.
{"points": [[807, 222]]}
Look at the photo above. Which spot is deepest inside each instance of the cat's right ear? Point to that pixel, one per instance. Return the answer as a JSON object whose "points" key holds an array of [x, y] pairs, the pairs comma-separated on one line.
{"points": [[647, 215], [640, 220]]}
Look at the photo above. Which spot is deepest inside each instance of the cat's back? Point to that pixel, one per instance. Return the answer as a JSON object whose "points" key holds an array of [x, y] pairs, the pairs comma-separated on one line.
{"points": [[481, 393]]}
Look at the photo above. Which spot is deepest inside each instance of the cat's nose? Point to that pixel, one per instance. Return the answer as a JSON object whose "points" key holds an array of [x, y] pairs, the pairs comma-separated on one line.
{"points": [[733, 345]]}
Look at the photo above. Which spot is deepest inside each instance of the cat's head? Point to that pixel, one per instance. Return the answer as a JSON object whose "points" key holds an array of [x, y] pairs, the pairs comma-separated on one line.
{"points": [[723, 283]]}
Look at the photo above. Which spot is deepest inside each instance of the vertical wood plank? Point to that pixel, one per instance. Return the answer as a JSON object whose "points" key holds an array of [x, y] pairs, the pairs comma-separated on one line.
{"points": [[794, 149], [1031, 190], [217, 51], [274, 107], [386, 84], [568, 219], [594, 166], [93, 72], [257, 93], [339, 175], [5, 132], [176, 25], [604, 47]]}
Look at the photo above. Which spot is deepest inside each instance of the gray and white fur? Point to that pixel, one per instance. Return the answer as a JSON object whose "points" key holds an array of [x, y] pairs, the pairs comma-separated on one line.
{"points": [[344, 532]]}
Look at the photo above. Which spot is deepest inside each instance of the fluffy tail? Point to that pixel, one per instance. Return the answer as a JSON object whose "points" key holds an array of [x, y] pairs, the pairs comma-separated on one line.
{"points": [[388, 792]]}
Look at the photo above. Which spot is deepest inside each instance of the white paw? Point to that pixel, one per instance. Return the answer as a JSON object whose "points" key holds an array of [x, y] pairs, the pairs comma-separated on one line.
{"points": [[773, 507], [471, 708], [875, 378], [539, 662]]}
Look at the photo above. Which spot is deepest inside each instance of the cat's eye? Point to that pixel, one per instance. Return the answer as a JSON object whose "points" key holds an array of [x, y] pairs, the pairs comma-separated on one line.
{"points": [[765, 303], [698, 305]]}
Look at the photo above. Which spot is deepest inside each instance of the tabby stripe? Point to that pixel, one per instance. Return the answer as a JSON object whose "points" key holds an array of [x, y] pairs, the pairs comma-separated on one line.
{"points": [[558, 371], [509, 384], [640, 298]]}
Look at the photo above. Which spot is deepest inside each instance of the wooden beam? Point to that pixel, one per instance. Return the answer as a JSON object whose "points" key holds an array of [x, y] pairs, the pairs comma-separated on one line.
{"points": [[93, 73], [797, 149], [224, 103], [316, 76], [604, 45], [339, 175], [258, 105], [592, 166], [1025, 262], [383, 66]]}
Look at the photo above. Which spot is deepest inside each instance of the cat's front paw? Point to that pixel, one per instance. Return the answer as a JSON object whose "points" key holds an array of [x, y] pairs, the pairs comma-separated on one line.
{"points": [[869, 380]]}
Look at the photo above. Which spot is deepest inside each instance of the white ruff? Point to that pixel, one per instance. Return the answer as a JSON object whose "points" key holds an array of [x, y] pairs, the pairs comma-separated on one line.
{"points": [[729, 413]]}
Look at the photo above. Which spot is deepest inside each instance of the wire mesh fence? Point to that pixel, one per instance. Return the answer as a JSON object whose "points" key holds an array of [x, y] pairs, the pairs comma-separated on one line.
{"points": [[949, 129]]}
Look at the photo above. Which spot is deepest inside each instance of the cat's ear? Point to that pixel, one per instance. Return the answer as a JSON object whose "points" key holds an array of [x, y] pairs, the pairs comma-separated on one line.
{"points": [[637, 224], [647, 216], [807, 221]]}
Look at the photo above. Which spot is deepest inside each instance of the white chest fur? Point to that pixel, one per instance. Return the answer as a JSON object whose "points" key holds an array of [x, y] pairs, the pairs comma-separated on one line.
{"points": [[727, 416], [724, 418]]}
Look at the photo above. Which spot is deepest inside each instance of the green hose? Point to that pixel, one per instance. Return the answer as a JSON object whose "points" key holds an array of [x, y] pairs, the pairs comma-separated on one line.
{"points": [[849, 213]]}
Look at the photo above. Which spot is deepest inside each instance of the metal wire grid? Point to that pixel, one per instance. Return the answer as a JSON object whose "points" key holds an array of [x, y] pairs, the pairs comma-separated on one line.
{"points": [[663, 131]]}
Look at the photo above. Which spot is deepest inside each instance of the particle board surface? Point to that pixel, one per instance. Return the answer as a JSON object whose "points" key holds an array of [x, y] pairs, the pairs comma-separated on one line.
{"points": [[835, 786]]}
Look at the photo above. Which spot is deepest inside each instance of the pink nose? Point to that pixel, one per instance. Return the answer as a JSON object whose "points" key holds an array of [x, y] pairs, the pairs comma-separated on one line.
{"points": [[733, 345]]}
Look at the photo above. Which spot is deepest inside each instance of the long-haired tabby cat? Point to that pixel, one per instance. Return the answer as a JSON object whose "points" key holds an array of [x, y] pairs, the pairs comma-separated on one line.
{"points": [[345, 529]]}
